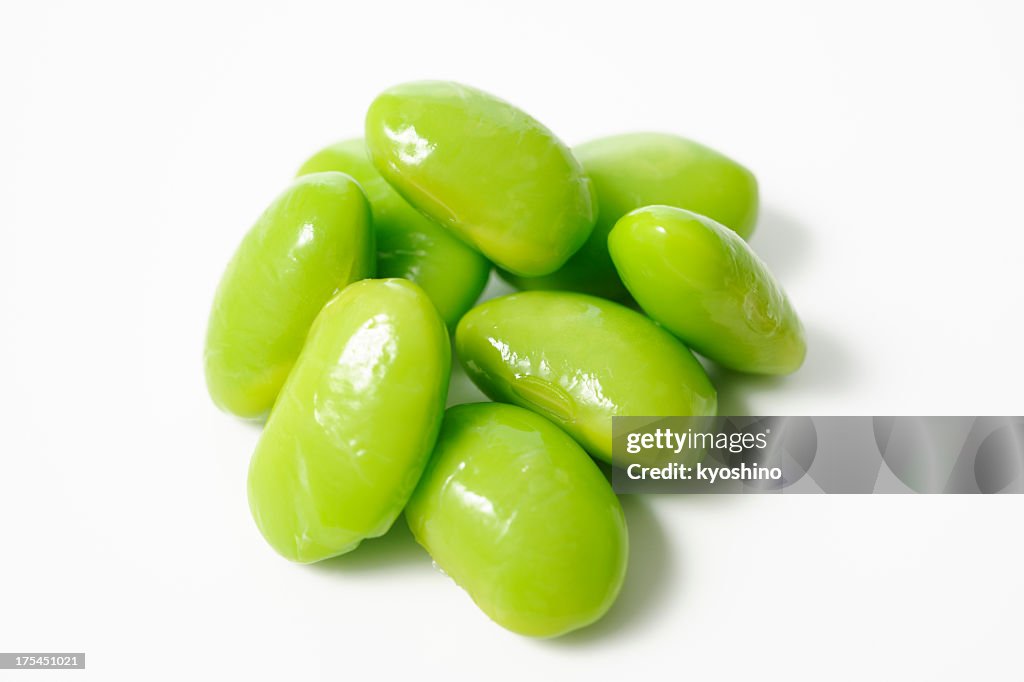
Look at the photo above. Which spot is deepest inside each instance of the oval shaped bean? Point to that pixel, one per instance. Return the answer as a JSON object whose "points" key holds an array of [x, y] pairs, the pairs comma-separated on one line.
{"points": [[706, 286], [483, 169], [580, 360], [516, 513], [642, 169], [314, 239], [409, 245], [348, 439]]}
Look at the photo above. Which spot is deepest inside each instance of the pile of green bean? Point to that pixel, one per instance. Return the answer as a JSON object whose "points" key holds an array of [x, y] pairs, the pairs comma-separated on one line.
{"points": [[332, 321]]}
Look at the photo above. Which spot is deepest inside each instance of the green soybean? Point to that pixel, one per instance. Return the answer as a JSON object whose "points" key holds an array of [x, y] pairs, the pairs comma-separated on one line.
{"points": [[516, 513], [705, 285], [355, 423], [485, 170], [580, 360], [313, 240], [409, 245], [641, 169]]}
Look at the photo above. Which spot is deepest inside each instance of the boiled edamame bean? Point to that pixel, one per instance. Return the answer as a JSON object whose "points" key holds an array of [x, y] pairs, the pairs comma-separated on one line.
{"points": [[313, 240], [580, 360], [485, 170], [641, 169], [516, 513], [355, 423], [409, 245], [706, 286]]}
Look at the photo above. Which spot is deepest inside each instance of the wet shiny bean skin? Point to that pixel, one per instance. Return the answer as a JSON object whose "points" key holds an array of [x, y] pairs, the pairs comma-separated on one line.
{"points": [[706, 286], [641, 169], [485, 170], [314, 239], [580, 360], [516, 513], [409, 245], [355, 423]]}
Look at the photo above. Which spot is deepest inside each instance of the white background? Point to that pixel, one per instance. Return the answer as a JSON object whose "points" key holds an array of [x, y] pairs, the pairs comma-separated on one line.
{"points": [[137, 145]]}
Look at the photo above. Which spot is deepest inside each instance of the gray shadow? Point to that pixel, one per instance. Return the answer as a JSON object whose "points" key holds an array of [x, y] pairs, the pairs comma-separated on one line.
{"points": [[256, 424], [828, 366], [495, 288], [734, 389], [648, 577], [461, 388], [781, 241], [395, 549]]}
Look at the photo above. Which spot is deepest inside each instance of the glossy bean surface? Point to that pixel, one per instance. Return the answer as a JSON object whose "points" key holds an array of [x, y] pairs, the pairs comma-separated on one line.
{"points": [[642, 169], [580, 360], [516, 513], [706, 286], [353, 428], [314, 239], [485, 170], [410, 245]]}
